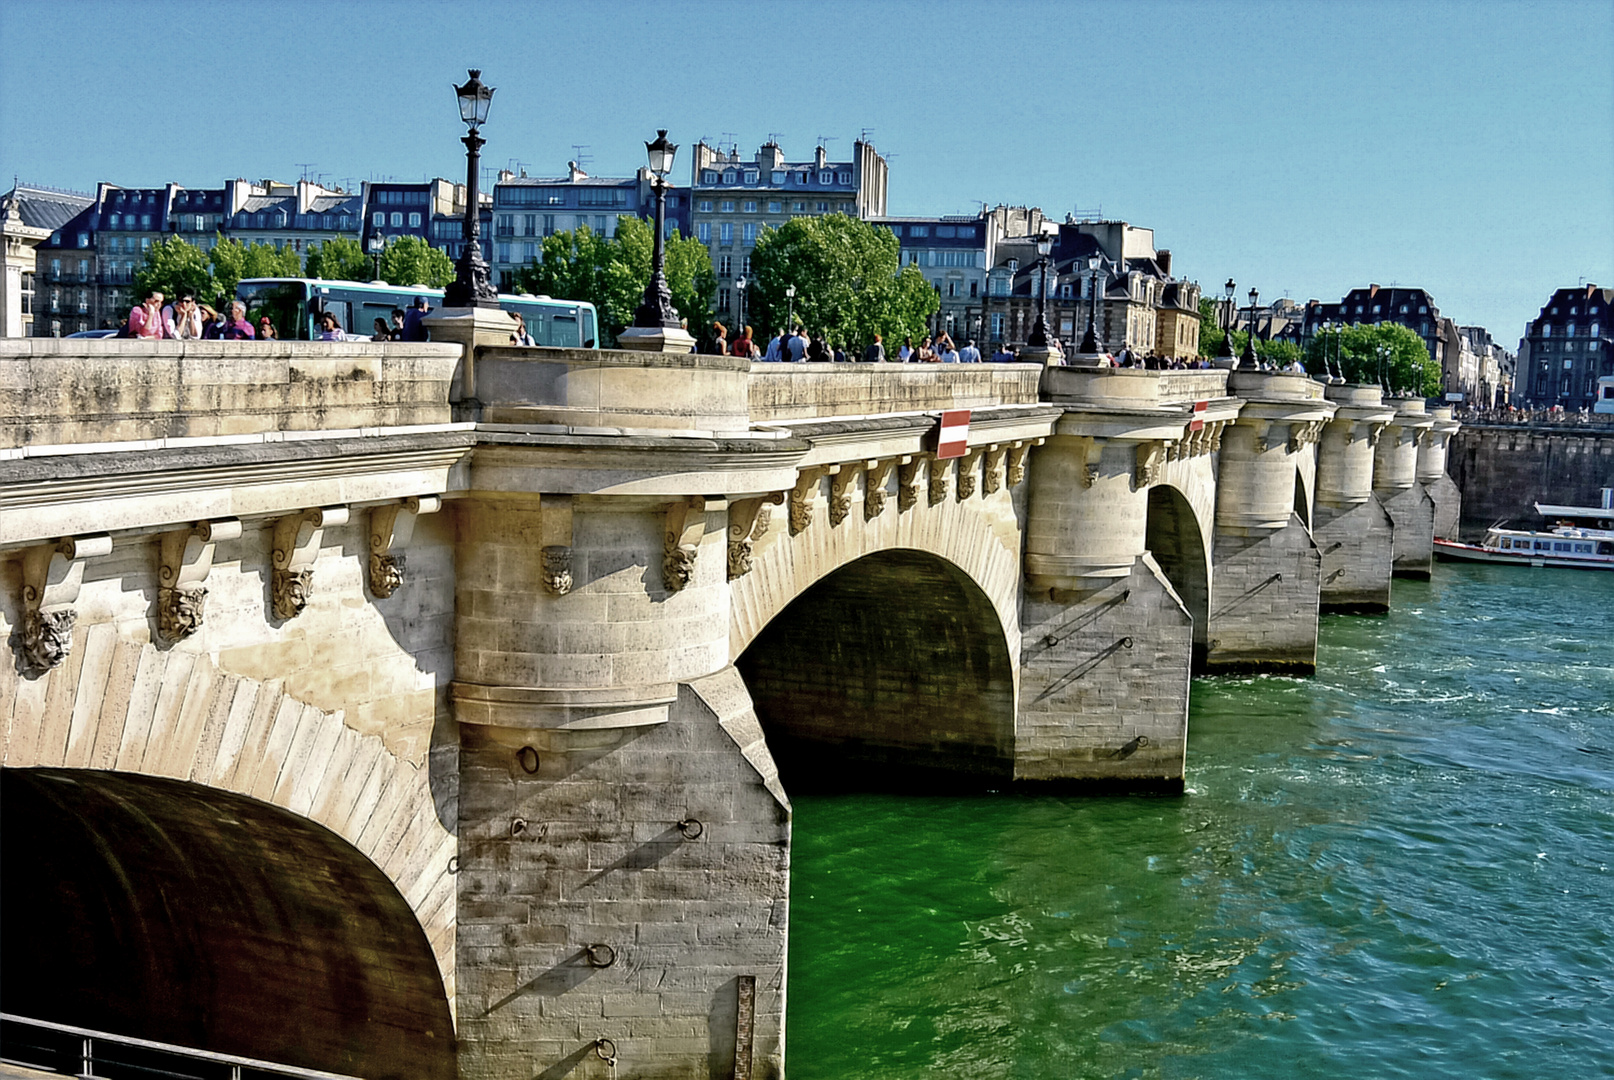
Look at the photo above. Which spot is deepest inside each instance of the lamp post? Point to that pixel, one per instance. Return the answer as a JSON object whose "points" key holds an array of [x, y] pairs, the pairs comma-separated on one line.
{"points": [[1090, 343], [656, 311], [1038, 338], [739, 300], [377, 245], [1248, 355], [1227, 305], [790, 300], [471, 287]]}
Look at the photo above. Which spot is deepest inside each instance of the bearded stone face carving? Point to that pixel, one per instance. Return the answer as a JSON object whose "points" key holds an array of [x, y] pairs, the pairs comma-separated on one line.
{"points": [[557, 569], [179, 612], [47, 638], [678, 567], [289, 592], [386, 574]]}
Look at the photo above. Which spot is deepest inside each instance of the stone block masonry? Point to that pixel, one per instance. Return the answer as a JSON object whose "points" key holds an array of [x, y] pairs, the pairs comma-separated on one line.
{"points": [[1413, 512], [1264, 603], [1357, 545], [1503, 471]]}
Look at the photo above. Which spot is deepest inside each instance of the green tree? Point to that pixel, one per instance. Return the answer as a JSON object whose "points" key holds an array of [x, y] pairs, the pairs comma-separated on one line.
{"points": [[611, 273], [1386, 353], [1210, 329], [409, 260], [233, 261], [339, 259], [173, 266], [848, 282]]}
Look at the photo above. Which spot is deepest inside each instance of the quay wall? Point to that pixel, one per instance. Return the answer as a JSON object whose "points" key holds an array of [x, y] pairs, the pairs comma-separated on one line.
{"points": [[1503, 470]]}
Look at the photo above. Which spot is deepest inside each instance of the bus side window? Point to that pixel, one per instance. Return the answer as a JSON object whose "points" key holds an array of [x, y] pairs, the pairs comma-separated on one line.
{"points": [[589, 334], [563, 332]]}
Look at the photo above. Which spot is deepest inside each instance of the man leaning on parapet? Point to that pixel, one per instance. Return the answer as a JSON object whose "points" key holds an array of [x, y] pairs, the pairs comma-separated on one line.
{"points": [[413, 329]]}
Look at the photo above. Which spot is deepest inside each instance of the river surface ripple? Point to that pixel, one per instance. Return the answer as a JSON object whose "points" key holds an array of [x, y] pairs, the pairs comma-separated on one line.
{"points": [[1400, 868]]}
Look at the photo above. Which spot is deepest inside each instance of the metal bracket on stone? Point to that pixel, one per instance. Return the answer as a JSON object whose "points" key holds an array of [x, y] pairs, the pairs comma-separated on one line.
{"points": [[840, 491], [555, 526], [874, 494], [939, 468], [391, 528], [185, 557], [51, 577], [1146, 468], [967, 472], [907, 482], [748, 523], [296, 548], [686, 523], [802, 496]]}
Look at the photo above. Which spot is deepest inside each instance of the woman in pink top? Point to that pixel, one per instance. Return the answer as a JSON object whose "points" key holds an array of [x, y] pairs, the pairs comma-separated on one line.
{"points": [[146, 321]]}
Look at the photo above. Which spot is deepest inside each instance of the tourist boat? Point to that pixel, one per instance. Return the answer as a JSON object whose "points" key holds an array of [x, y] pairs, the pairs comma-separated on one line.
{"points": [[1581, 538]]}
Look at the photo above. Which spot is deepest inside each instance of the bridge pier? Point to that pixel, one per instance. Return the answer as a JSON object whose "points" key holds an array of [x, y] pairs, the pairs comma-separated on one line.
{"points": [[1395, 482], [1267, 569], [1432, 476], [1354, 534]]}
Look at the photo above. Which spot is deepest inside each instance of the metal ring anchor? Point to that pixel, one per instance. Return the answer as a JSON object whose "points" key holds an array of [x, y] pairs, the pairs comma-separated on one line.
{"points": [[518, 826], [453, 864], [600, 955], [527, 758], [691, 828], [605, 1049]]}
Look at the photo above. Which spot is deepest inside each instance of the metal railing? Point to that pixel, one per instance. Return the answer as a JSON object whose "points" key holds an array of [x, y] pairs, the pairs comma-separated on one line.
{"points": [[100, 1055]]}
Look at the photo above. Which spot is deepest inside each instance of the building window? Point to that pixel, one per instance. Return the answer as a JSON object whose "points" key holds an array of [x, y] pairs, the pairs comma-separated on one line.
{"points": [[750, 206], [826, 177], [745, 264], [397, 220], [378, 219], [529, 225], [750, 233], [923, 230], [145, 221], [997, 326], [975, 287], [773, 206], [823, 207], [704, 232], [726, 233], [845, 178], [726, 206], [708, 177], [704, 206], [750, 176], [722, 299], [504, 251], [725, 264], [414, 221], [800, 206], [778, 177], [730, 176]]}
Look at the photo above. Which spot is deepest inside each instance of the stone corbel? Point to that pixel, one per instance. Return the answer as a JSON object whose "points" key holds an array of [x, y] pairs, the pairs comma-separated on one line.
{"points": [[1089, 452], [907, 482], [1261, 431], [1376, 432], [840, 491], [968, 472], [992, 479], [1146, 468], [391, 528], [686, 522], [939, 468], [1016, 471], [185, 557], [802, 496], [555, 530], [296, 548], [874, 494], [1425, 437], [748, 523], [1216, 435], [51, 577]]}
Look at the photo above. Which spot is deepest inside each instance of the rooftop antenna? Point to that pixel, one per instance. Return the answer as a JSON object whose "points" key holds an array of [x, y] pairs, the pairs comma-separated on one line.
{"points": [[776, 137], [822, 139], [733, 142], [581, 155], [865, 134], [305, 166]]}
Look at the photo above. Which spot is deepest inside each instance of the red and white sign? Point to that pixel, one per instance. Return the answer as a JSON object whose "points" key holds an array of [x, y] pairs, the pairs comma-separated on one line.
{"points": [[954, 433], [1198, 422]]}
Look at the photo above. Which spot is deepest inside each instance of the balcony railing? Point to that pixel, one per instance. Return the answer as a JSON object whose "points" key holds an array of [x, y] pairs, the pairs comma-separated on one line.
{"points": [[75, 1051]]}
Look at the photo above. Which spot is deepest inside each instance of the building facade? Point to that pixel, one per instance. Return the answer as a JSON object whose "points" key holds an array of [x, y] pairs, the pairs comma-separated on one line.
{"points": [[1413, 308], [28, 217], [1565, 349], [956, 253], [735, 199], [1135, 302], [527, 209]]}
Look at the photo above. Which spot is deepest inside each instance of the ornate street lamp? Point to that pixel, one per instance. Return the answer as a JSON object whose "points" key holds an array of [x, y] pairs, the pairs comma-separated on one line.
{"points": [[790, 299], [1227, 304], [471, 287], [1248, 355], [377, 245], [1090, 343], [656, 309], [1038, 338], [739, 299]]}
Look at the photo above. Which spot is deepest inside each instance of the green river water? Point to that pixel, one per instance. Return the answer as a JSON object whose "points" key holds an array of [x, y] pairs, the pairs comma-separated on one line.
{"points": [[1400, 868]]}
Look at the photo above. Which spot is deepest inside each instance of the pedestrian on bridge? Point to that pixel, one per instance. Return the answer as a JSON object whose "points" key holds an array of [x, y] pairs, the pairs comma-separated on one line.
{"points": [[875, 353]]}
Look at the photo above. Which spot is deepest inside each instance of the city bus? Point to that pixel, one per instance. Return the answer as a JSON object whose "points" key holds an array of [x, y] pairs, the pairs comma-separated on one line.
{"points": [[1605, 396], [294, 305]]}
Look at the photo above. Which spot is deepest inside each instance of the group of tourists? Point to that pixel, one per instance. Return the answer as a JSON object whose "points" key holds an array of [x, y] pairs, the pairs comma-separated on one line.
{"points": [[796, 346], [187, 320]]}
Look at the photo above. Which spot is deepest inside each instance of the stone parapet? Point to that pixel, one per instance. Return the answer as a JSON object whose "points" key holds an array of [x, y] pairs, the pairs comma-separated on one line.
{"points": [[612, 391], [780, 392], [1131, 388], [76, 391]]}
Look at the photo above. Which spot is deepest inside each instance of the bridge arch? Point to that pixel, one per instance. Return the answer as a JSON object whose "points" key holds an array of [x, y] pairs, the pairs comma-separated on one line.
{"points": [[892, 672], [119, 706], [1176, 537], [167, 910]]}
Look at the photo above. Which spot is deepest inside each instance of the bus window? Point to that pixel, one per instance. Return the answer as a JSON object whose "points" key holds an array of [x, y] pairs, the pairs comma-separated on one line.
{"points": [[282, 302], [563, 331], [590, 335]]}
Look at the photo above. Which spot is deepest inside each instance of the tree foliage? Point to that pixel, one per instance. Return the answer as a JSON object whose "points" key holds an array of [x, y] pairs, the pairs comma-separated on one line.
{"points": [[849, 285], [232, 261], [339, 259], [173, 266], [611, 273], [1386, 353], [1210, 329], [409, 260]]}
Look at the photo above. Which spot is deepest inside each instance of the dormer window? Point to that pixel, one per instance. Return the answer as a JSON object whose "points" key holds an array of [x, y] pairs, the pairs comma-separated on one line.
{"points": [[730, 176], [1423, 309], [1014, 264], [826, 177], [1574, 311], [750, 176], [778, 177], [845, 178], [708, 178]]}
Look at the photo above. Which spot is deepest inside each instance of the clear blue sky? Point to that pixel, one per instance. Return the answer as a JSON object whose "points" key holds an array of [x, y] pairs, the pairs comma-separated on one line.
{"points": [[1303, 148]]}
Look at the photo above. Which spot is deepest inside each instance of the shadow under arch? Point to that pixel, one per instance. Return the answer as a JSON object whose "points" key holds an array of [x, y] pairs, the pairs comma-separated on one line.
{"points": [[184, 914], [1174, 538], [893, 673]]}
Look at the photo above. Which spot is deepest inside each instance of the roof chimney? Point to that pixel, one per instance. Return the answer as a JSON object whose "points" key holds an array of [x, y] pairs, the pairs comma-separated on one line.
{"points": [[573, 173], [1163, 257], [819, 157], [1590, 288]]}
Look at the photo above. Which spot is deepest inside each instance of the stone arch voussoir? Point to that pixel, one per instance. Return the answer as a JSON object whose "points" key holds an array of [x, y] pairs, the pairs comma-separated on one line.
{"points": [[127, 706]]}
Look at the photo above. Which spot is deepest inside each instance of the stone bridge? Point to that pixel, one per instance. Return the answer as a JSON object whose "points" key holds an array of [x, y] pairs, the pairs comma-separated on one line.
{"points": [[433, 709]]}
